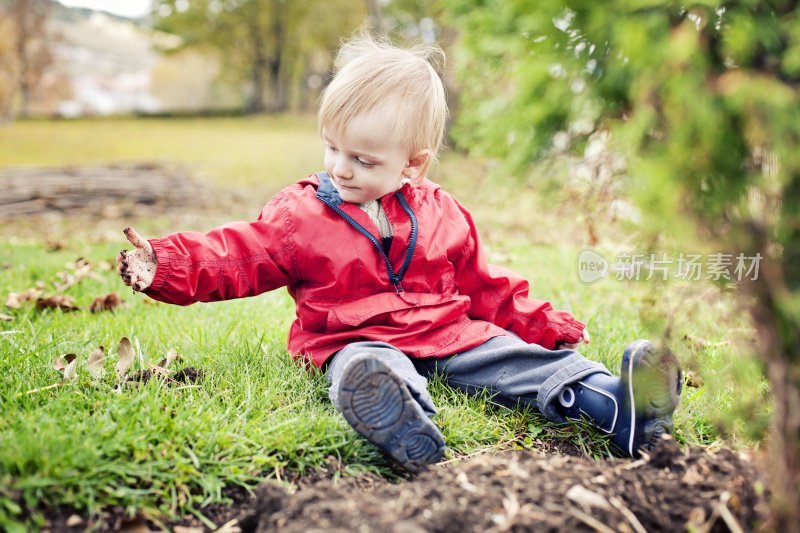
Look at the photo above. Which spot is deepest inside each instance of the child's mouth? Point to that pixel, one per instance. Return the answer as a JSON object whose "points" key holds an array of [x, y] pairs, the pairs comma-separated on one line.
{"points": [[345, 187]]}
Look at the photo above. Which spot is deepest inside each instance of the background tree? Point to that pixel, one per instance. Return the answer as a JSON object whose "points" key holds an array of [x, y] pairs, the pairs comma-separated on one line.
{"points": [[271, 44], [26, 22], [702, 100], [8, 69]]}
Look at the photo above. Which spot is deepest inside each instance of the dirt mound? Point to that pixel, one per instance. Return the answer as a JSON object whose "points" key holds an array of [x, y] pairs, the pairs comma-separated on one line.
{"points": [[516, 491], [523, 491], [185, 375]]}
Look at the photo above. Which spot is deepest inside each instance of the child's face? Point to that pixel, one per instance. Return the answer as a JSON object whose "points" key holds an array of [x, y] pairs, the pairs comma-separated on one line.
{"points": [[367, 161]]}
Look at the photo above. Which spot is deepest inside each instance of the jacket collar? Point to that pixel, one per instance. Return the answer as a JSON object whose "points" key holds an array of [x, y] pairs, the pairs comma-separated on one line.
{"points": [[328, 193], [326, 190]]}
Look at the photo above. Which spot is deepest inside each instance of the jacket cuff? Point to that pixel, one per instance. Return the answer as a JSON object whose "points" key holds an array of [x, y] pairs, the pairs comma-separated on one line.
{"points": [[162, 267], [571, 332]]}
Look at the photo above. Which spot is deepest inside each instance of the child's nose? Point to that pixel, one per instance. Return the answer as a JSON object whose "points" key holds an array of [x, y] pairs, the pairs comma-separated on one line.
{"points": [[342, 168]]}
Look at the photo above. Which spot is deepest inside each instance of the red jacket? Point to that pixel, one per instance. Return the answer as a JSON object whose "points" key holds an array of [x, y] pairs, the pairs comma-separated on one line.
{"points": [[434, 295]]}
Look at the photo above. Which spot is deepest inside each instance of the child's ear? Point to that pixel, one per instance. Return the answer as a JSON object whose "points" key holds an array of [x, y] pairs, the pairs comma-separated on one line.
{"points": [[417, 166]]}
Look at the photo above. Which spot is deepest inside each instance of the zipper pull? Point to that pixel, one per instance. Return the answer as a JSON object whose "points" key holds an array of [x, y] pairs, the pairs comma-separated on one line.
{"points": [[398, 287], [401, 292]]}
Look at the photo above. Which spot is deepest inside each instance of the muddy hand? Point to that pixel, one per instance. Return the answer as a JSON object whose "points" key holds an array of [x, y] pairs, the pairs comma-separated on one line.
{"points": [[138, 266]]}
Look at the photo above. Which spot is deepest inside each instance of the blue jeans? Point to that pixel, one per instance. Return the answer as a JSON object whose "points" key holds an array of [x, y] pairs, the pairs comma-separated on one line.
{"points": [[509, 370]]}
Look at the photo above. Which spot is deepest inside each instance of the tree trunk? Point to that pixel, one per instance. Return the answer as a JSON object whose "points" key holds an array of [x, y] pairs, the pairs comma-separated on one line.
{"points": [[32, 46], [376, 14], [277, 65], [778, 330], [22, 13], [783, 367], [255, 103], [24, 97]]}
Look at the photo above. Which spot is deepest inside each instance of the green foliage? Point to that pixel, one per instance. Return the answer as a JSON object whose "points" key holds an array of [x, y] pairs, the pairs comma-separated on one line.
{"points": [[703, 102], [263, 43], [690, 95]]}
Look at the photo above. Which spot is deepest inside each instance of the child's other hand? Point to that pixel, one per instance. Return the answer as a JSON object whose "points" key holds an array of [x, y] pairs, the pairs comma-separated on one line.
{"points": [[137, 267], [574, 345]]}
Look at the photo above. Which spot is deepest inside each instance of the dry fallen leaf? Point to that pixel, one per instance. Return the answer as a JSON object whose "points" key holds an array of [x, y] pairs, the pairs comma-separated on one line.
{"points": [[231, 526], [125, 354], [84, 269], [105, 303], [74, 521], [171, 355], [15, 299], [697, 518], [693, 379], [96, 360], [79, 264], [587, 498], [65, 281], [104, 265], [187, 529], [71, 371], [67, 366], [134, 525], [61, 365], [700, 344], [57, 301], [692, 476], [54, 245]]}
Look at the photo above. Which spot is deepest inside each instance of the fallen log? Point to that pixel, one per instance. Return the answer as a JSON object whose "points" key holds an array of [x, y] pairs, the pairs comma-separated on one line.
{"points": [[32, 191]]}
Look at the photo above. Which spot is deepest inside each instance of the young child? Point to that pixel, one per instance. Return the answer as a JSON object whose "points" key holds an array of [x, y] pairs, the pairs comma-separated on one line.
{"points": [[391, 282]]}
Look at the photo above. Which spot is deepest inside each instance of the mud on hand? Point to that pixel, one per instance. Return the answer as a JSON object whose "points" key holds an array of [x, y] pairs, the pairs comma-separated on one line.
{"points": [[138, 266]]}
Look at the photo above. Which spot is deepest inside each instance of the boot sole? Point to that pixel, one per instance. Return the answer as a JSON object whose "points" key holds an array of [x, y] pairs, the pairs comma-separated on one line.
{"points": [[653, 381], [378, 405]]}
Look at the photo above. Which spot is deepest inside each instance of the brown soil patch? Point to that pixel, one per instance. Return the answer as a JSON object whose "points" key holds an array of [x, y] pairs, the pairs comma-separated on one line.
{"points": [[185, 375], [515, 491], [521, 491]]}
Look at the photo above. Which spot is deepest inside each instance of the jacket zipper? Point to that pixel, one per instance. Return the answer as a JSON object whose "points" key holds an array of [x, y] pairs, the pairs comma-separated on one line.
{"points": [[397, 278]]}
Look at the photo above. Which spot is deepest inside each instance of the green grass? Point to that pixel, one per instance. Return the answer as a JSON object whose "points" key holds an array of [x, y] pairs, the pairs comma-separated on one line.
{"points": [[228, 151], [163, 450]]}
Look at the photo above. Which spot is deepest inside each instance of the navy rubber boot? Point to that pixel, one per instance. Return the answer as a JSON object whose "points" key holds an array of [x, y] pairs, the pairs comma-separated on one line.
{"points": [[379, 406], [636, 407]]}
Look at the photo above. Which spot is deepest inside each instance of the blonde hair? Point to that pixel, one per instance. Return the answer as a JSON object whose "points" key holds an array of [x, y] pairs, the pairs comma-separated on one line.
{"points": [[370, 73]]}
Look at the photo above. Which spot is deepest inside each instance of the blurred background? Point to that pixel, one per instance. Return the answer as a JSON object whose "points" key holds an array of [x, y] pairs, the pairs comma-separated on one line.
{"points": [[643, 127], [94, 58]]}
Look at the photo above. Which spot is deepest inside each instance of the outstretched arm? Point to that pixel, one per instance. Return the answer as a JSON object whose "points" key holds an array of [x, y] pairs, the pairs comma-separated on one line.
{"points": [[235, 260]]}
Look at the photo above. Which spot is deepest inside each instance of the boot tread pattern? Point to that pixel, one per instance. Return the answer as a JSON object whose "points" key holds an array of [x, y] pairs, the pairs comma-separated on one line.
{"points": [[378, 405], [656, 373]]}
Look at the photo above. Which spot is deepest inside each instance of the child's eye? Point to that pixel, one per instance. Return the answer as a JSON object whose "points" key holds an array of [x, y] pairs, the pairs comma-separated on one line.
{"points": [[331, 148], [365, 164]]}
